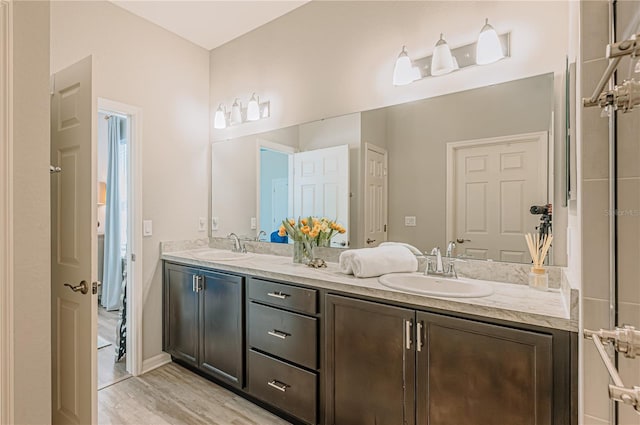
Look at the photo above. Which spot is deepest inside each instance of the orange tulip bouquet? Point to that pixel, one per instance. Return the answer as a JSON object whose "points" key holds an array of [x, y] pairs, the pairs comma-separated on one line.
{"points": [[308, 233]]}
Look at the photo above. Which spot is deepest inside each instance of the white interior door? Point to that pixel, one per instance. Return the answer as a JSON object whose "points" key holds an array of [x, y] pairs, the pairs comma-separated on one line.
{"points": [[321, 186], [375, 195], [495, 184], [74, 245]]}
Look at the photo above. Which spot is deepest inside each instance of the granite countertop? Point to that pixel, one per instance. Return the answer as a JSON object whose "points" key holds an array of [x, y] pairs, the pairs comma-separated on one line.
{"points": [[511, 302]]}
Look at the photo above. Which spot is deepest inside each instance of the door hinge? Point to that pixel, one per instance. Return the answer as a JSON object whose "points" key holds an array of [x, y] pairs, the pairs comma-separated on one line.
{"points": [[133, 257], [385, 228]]}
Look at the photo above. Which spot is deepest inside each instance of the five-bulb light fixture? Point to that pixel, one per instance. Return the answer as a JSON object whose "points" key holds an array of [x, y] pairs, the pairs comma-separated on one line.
{"points": [[489, 48], [253, 112]]}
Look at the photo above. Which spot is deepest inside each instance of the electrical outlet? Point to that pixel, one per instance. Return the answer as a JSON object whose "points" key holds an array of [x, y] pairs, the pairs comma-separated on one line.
{"points": [[215, 222], [410, 220], [202, 224], [254, 223]]}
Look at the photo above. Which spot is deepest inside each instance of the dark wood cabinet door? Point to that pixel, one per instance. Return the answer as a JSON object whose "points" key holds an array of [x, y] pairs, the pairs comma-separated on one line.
{"points": [[370, 363], [476, 373], [222, 327], [181, 313]]}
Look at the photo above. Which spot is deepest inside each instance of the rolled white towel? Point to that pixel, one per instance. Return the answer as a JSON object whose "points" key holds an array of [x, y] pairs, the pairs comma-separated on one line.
{"points": [[413, 249], [372, 262], [345, 261]]}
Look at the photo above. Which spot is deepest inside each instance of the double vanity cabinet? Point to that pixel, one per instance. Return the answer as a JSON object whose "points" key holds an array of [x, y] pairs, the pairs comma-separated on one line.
{"points": [[319, 356]]}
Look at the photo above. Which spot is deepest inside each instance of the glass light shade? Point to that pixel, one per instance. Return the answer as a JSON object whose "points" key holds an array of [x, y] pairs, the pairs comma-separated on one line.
{"points": [[404, 73], [442, 60], [253, 109], [219, 120], [488, 48], [236, 112]]}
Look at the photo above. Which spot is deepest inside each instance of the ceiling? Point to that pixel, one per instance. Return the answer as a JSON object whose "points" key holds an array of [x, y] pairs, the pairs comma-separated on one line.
{"points": [[209, 23]]}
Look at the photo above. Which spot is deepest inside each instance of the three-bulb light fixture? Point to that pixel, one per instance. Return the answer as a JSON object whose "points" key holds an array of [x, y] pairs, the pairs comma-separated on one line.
{"points": [[489, 48], [253, 112]]}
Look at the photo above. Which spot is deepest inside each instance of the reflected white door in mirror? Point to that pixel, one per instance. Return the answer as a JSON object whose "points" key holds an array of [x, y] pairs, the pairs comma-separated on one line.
{"points": [[491, 184]]}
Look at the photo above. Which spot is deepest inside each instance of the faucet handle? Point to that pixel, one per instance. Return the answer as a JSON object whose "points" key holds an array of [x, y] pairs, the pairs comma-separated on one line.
{"points": [[435, 251]]}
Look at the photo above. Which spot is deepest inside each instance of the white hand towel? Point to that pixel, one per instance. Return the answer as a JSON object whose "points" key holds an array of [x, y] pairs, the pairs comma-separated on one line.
{"points": [[413, 249], [372, 262], [345, 261]]}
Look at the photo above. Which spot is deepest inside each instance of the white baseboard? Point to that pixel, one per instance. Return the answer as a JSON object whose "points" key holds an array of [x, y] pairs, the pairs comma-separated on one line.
{"points": [[155, 362]]}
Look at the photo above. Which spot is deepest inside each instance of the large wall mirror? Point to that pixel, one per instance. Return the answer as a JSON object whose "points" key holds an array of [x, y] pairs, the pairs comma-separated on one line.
{"points": [[466, 166]]}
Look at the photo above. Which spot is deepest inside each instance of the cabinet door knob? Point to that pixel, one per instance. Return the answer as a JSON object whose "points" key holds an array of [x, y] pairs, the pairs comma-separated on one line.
{"points": [[277, 385]]}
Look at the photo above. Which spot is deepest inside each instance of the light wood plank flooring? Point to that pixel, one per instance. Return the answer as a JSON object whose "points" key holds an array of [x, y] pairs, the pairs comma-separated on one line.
{"points": [[174, 395], [109, 372]]}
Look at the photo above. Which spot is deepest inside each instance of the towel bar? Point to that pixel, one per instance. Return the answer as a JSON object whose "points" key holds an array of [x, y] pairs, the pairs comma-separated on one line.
{"points": [[625, 340]]}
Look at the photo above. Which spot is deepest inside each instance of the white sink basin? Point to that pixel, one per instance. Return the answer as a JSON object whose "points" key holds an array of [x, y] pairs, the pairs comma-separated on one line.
{"points": [[221, 255], [418, 283]]}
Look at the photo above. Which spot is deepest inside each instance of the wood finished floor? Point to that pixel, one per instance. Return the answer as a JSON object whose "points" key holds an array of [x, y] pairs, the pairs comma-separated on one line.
{"points": [[174, 395], [109, 372]]}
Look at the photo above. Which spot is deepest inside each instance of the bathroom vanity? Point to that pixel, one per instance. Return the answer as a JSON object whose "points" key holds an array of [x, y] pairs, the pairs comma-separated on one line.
{"points": [[320, 347]]}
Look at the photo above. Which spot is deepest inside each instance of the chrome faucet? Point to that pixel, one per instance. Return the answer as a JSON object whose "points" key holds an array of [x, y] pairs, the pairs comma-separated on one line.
{"points": [[237, 245], [260, 233], [450, 248], [439, 266]]}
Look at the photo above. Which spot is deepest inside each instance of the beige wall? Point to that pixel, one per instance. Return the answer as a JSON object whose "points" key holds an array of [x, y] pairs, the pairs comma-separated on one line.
{"points": [[138, 63], [31, 222], [333, 58]]}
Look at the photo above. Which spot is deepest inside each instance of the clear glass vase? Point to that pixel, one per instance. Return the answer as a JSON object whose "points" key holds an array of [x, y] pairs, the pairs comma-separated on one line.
{"points": [[302, 252]]}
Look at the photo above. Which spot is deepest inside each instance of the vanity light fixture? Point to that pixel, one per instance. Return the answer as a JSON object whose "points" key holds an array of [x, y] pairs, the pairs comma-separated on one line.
{"points": [[220, 118], [253, 112], [404, 72], [253, 108], [236, 112], [488, 48], [442, 60]]}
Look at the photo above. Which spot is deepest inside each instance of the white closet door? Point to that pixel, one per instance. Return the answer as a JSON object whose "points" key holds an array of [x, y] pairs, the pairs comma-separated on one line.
{"points": [[321, 186]]}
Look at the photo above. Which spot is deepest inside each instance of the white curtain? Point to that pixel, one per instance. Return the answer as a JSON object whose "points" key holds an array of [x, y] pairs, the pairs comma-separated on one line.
{"points": [[113, 227]]}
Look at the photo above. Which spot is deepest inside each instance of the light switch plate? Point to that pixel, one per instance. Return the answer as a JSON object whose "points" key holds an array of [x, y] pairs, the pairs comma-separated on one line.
{"points": [[202, 224], [254, 223], [410, 220], [147, 228], [214, 223]]}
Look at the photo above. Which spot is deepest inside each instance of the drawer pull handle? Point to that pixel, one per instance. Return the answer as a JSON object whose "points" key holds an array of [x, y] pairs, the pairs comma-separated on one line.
{"points": [[278, 334], [277, 385], [278, 295]]}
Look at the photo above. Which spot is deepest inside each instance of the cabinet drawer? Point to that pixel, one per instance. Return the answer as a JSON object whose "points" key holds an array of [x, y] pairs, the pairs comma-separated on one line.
{"points": [[281, 295], [284, 386], [284, 334]]}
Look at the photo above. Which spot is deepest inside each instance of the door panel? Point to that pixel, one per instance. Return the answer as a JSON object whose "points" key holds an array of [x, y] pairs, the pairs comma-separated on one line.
{"points": [[371, 372], [221, 300], [321, 186], [495, 183], [375, 196], [73, 247], [181, 313], [476, 373]]}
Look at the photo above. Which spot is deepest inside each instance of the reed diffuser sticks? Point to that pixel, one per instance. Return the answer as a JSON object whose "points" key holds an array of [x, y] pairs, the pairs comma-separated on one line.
{"points": [[538, 248]]}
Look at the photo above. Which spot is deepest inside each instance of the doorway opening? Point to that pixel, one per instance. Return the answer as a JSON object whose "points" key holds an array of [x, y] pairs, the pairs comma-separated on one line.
{"points": [[118, 215], [113, 225]]}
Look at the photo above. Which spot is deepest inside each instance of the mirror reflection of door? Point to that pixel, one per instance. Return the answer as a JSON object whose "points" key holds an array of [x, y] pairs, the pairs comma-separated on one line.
{"points": [[493, 183], [375, 195], [321, 187]]}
